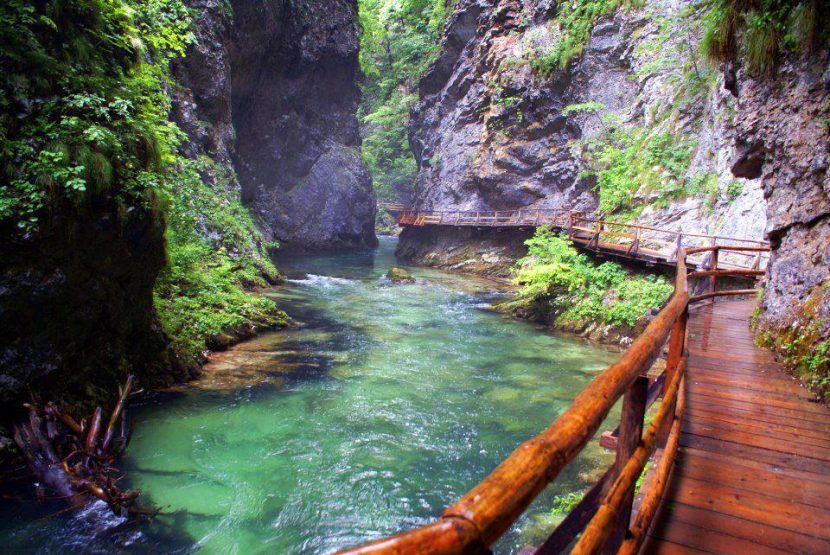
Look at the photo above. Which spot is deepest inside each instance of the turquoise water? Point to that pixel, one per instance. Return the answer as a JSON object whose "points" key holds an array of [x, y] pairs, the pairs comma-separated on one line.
{"points": [[385, 404]]}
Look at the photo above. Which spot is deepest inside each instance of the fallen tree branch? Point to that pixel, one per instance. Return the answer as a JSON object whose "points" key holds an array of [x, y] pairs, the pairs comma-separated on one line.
{"points": [[73, 460]]}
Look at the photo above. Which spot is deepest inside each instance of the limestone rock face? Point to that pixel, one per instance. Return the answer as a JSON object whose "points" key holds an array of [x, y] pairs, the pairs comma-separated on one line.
{"points": [[202, 95], [270, 90], [492, 133], [294, 71], [784, 119]]}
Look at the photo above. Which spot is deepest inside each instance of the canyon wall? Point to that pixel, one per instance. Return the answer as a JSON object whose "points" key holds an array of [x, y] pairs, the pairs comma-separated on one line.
{"points": [[497, 128], [268, 90], [494, 130], [294, 69], [784, 140]]}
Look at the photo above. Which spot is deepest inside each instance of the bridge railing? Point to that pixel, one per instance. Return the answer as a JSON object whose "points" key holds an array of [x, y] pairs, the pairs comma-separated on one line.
{"points": [[631, 240], [604, 516]]}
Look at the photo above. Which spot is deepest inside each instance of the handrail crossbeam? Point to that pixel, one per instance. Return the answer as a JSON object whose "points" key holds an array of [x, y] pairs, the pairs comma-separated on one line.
{"points": [[630, 240]]}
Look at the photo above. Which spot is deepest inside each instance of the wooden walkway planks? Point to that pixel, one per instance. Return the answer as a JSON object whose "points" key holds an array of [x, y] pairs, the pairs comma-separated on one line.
{"points": [[753, 472]]}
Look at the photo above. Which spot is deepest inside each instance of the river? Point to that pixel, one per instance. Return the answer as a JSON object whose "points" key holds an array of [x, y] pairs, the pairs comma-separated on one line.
{"points": [[382, 406]]}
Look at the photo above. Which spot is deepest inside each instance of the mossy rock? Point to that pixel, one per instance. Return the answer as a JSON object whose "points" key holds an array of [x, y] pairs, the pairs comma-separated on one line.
{"points": [[399, 275]]}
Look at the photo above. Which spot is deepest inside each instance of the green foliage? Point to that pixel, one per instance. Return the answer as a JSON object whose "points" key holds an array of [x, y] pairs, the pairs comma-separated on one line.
{"points": [[564, 504], [591, 107], [84, 121], [554, 274], [705, 186], [83, 112], [571, 29], [200, 296], [400, 39], [734, 189], [214, 254], [386, 147], [626, 161], [803, 343], [758, 31]]}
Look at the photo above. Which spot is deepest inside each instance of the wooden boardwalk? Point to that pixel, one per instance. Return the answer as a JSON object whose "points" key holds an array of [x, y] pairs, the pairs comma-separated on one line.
{"points": [[753, 470], [642, 243]]}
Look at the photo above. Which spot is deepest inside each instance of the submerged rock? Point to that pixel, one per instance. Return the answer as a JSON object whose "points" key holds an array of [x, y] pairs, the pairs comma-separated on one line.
{"points": [[399, 275]]}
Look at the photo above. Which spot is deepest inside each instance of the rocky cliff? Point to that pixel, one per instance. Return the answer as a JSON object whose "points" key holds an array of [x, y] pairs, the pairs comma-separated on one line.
{"points": [[612, 108], [266, 87], [501, 126], [294, 70], [784, 140], [270, 89], [82, 315]]}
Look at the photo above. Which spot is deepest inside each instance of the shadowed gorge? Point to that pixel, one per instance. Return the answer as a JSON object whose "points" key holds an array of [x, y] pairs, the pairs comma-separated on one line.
{"points": [[373, 277]]}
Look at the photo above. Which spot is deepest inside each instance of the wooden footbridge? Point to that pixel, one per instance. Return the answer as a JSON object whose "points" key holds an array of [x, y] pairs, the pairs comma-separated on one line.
{"points": [[643, 243], [735, 460]]}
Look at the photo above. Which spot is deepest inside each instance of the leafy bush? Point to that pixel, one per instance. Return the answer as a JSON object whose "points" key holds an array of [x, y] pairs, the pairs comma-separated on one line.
{"points": [[83, 112], [557, 277], [84, 121], [400, 39], [629, 160], [758, 31], [214, 254]]}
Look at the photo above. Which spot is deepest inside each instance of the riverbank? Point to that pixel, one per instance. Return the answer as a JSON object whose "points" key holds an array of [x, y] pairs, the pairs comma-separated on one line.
{"points": [[380, 407]]}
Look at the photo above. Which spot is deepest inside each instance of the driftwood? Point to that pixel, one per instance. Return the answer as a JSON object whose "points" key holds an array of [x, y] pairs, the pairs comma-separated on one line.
{"points": [[73, 460]]}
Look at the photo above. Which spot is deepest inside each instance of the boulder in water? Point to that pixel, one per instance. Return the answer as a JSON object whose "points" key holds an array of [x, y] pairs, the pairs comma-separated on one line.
{"points": [[399, 275]]}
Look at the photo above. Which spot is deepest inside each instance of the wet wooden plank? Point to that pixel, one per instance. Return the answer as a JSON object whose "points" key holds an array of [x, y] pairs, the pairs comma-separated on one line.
{"points": [[698, 422], [776, 483], [753, 473], [709, 521], [708, 540]]}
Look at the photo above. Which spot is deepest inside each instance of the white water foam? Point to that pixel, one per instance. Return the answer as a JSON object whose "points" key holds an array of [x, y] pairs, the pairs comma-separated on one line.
{"points": [[323, 282]]}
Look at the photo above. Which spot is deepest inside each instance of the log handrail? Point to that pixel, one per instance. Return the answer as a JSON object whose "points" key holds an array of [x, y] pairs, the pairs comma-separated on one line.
{"points": [[461, 214]]}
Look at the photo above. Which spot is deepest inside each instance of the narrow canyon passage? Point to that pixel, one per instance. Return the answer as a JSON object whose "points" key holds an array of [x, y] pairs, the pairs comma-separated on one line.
{"points": [[383, 407]]}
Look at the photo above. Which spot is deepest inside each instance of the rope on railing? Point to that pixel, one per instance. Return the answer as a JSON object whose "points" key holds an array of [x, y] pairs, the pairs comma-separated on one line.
{"points": [[481, 516]]}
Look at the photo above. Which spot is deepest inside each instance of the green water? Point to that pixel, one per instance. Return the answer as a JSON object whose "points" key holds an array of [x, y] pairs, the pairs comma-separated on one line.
{"points": [[386, 404]]}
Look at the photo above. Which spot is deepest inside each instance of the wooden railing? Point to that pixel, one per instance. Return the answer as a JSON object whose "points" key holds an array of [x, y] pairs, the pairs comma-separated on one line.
{"points": [[629, 240], [604, 516], [391, 206]]}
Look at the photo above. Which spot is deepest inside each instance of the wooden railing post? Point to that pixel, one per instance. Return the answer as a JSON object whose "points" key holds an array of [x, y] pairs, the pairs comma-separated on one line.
{"points": [[631, 432], [677, 346], [678, 246], [635, 244], [713, 265]]}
